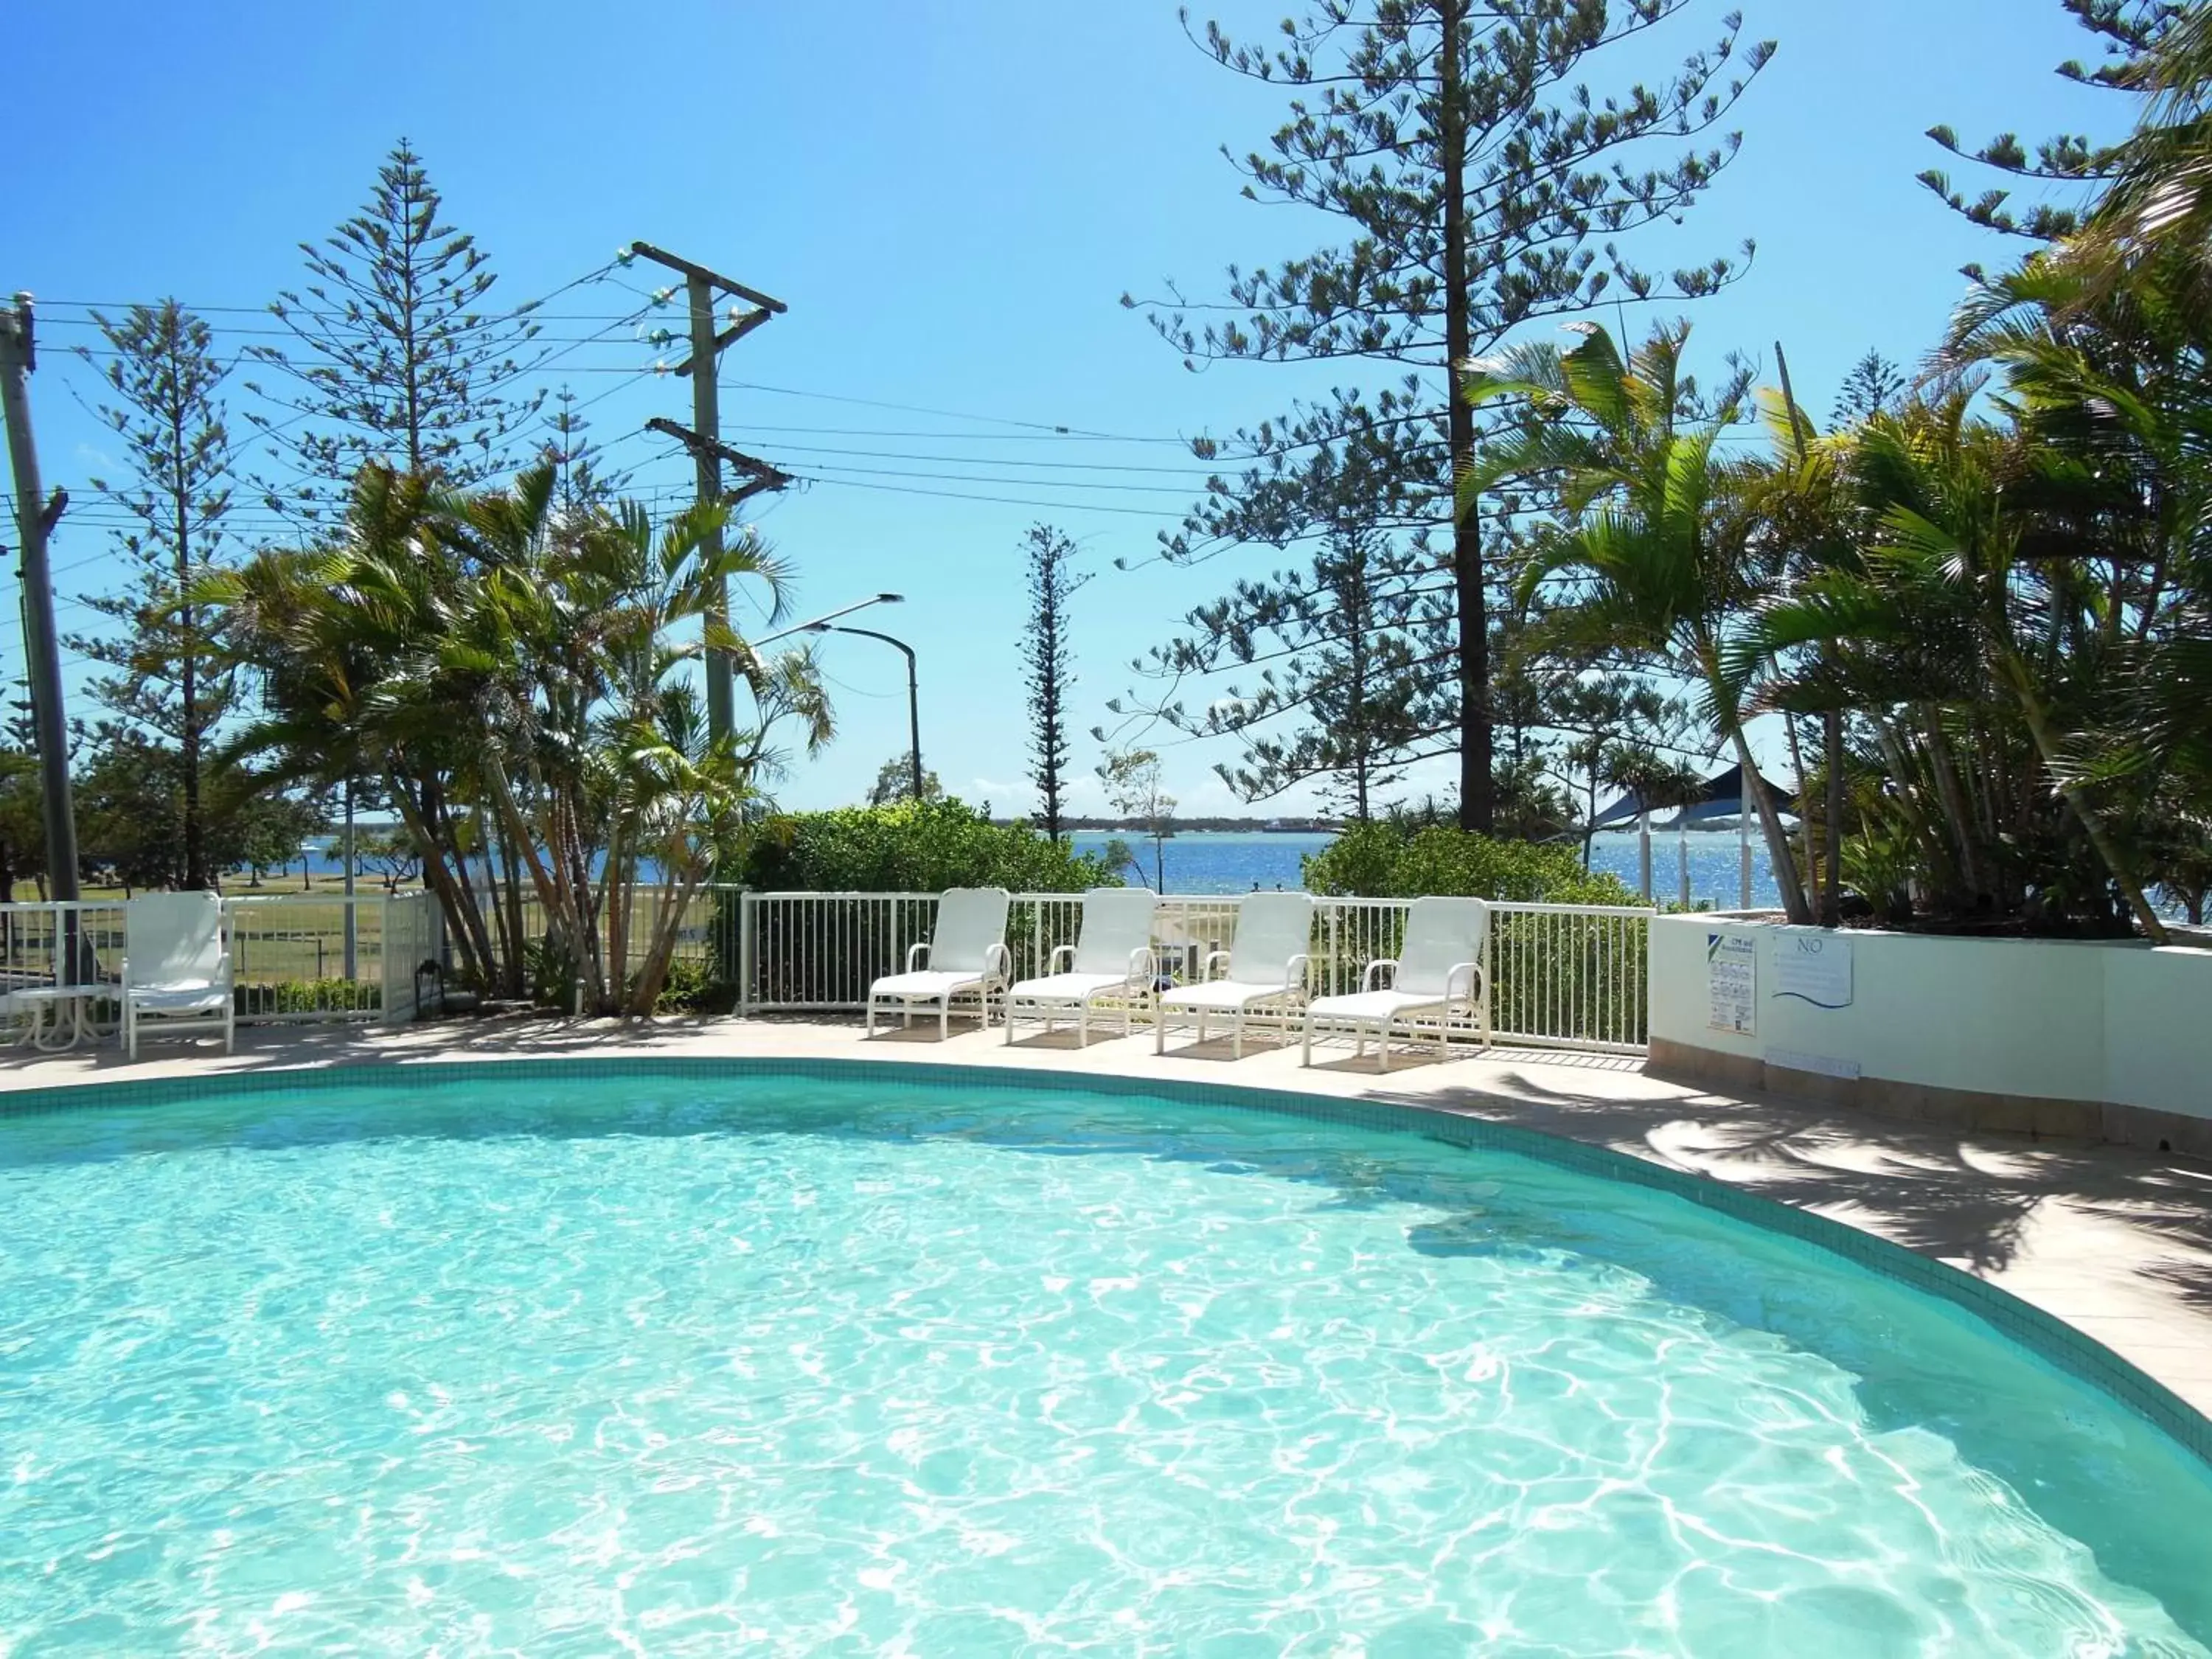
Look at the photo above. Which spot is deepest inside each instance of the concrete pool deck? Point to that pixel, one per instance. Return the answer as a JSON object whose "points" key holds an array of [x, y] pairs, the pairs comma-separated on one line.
{"points": [[2116, 1243]]}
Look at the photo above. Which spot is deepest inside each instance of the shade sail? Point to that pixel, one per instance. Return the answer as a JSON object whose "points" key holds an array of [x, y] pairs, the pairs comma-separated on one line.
{"points": [[1722, 797]]}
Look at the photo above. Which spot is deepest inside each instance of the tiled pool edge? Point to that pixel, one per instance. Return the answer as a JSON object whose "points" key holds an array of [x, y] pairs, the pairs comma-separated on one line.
{"points": [[2043, 1334]]}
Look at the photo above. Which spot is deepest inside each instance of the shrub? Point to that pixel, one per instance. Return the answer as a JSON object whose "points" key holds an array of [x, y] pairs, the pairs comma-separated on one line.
{"points": [[696, 987], [912, 848], [262, 998], [1391, 861], [908, 848], [1549, 971]]}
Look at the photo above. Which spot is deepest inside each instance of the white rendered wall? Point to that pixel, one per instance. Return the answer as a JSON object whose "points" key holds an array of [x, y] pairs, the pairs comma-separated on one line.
{"points": [[2036, 1018], [2158, 1031]]}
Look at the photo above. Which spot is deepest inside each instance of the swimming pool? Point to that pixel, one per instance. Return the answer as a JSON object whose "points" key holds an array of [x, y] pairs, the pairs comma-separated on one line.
{"points": [[670, 1361]]}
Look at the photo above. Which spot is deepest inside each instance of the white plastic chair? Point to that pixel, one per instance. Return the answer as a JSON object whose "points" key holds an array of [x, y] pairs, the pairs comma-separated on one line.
{"points": [[176, 966], [967, 953], [1266, 963], [1112, 957], [1438, 971]]}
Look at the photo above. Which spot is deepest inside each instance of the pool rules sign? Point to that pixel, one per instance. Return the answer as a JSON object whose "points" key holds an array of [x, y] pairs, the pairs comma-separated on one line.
{"points": [[1732, 982]]}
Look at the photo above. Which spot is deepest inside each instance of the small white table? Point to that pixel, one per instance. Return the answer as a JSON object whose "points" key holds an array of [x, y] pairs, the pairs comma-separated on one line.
{"points": [[71, 1021]]}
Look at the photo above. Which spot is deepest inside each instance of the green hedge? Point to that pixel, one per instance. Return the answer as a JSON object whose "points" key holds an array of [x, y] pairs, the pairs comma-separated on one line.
{"points": [[1389, 860], [912, 848]]}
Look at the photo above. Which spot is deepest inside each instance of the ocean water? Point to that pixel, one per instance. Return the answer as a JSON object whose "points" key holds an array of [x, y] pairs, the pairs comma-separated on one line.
{"points": [[522, 1364], [1236, 863], [1223, 862]]}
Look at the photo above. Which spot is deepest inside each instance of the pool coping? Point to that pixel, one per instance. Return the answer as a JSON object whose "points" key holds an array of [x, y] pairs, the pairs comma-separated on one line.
{"points": [[2044, 1335]]}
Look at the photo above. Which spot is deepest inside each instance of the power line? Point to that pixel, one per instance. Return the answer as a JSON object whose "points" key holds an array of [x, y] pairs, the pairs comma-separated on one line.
{"points": [[1024, 427], [967, 477], [942, 413], [601, 396], [46, 305], [528, 310], [1004, 500], [995, 461], [228, 330], [579, 369], [1069, 437]]}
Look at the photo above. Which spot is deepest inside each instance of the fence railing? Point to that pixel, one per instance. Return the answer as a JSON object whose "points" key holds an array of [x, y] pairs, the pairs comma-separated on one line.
{"points": [[409, 942], [1560, 975], [294, 957]]}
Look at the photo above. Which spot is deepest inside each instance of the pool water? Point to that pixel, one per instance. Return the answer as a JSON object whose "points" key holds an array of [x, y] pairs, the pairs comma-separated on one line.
{"points": [[662, 1364]]}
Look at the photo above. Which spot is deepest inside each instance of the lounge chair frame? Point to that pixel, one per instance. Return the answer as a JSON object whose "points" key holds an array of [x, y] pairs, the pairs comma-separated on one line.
{"points": [[1462, 990], [1242, 989], [1076, 992], [921, 987], [177, 968]]}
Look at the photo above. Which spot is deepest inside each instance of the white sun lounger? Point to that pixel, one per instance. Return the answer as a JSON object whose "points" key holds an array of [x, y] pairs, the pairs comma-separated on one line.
{"points": [[967, 953], [176, 967], [1266, 963], [1438, 971], [1112, 957]]}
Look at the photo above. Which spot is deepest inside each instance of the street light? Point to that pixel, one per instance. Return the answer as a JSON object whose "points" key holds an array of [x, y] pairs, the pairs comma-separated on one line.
{"points": [[913, 694], [827, 616]]}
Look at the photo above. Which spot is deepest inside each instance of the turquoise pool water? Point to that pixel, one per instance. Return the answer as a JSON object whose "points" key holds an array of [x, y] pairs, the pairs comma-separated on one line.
{"points": [[671, 1364]]}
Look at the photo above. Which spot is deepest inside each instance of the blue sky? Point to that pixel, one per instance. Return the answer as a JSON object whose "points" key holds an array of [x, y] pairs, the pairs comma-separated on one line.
{"points": [[951, 197]]}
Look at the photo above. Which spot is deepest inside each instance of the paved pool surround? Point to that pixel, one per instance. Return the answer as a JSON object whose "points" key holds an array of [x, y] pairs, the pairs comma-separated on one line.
{"points": [[2097, 1257]]}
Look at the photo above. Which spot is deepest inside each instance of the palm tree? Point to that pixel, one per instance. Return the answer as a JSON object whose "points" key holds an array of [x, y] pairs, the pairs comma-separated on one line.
{"points": [[1658, 548], [1951, 601], [2109, 382], [516, 674], [579, 627], [336, 635]]}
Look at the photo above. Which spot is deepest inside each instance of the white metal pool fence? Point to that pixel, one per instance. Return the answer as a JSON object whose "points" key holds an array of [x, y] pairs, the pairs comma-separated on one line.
{"points": [[296, 958], [1560, 975]]}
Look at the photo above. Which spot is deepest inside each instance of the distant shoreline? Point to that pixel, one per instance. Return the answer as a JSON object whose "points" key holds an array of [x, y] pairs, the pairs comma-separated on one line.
{"points": [[1196, 826], [1313, 827]]}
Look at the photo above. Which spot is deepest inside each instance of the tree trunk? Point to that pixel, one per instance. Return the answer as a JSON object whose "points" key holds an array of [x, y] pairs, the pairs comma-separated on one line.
{"points": [[1793, 905], [1796, 904], [1477, 807], [1904, 764], [195, 869], [507, 894], [1980, 890], [619, 888], [590, 900], [500, 975], [188, 704], [473, 921], [2039, 728], [1804, 818], [467, 925], [667, 923], [516, 843], [1832, 896]]}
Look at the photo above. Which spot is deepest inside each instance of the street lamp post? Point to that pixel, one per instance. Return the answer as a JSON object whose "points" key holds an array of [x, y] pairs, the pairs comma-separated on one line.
{"points": [[817, 624], [913, 692], [827, 623]]}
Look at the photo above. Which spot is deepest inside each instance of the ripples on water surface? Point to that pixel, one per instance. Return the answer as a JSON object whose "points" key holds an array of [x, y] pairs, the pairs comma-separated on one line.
{"points": [[677, 1365]]}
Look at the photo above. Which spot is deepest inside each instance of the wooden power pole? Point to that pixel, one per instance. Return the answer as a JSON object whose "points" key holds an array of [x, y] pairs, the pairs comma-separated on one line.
{"points": [[35, 516], [703, 438]]}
